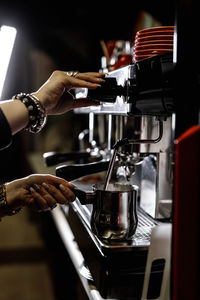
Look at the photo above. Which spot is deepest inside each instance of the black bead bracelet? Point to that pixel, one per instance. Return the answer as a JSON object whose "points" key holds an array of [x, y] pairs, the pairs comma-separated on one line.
{"points": [[36, 111]]}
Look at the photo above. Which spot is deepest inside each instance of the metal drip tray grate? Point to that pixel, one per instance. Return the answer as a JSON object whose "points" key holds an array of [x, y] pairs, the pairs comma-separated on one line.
{"points": [[145, 225], [141, 237]]}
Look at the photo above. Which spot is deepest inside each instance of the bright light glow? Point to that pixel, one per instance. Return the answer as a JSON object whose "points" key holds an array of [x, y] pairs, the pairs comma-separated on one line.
{"points": [[7, 39]]}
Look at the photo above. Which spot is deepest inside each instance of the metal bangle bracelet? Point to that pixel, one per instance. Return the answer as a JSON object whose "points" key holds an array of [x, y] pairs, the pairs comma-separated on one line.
{"points": [[4, 207], [3, 201]]}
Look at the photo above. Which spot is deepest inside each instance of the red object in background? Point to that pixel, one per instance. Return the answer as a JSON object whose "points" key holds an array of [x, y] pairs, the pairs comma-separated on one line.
{"points": [[123, 60], [110, 47], [186, 223]]}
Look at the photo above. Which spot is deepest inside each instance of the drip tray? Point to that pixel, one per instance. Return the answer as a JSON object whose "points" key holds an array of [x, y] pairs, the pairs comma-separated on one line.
{"points": [[117, 270], [141, 237]]}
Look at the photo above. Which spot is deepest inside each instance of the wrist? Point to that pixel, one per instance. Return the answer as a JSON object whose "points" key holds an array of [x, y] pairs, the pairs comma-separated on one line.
{"points": [[43, 99], [5, 207]]}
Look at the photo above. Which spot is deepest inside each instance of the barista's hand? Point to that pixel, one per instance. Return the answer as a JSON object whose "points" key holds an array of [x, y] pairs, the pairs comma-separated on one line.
{"points": [[39, 192], [55, 93]]}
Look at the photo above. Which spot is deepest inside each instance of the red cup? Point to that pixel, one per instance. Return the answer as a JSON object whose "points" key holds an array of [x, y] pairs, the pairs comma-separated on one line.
{"points": [[164, 30], [152, 51], [154, 38], [158, 28], [153, 46]]}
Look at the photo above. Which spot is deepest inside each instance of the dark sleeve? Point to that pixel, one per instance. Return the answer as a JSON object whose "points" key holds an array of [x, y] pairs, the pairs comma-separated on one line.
{"points": [[5, 132]]}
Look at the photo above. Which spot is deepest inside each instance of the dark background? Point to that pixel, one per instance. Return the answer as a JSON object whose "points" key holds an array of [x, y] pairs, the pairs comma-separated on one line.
{"points": [[70, 31]]}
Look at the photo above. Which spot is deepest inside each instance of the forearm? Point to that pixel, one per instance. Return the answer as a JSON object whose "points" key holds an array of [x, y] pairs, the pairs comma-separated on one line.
{"points": [[55, 98], [16, 114]]}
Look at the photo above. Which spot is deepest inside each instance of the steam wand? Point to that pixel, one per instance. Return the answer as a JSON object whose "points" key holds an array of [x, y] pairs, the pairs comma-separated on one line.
{"points": [[125, 141], [112, 161]]}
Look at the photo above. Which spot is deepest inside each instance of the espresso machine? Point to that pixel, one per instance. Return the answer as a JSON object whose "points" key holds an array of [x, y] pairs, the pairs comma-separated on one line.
{"points": [[136, 110], [137, 105]]}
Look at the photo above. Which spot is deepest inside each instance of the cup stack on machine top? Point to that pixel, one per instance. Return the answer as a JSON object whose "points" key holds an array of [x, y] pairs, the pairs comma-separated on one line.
{"points": [[153, 41]]}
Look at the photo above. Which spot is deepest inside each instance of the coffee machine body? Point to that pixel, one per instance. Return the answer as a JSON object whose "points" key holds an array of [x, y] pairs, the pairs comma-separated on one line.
{"points": [[137, 103]]}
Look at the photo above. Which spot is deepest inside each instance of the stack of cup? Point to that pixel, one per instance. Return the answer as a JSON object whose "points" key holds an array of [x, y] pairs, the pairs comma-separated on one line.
{"points": [[153, 41]]}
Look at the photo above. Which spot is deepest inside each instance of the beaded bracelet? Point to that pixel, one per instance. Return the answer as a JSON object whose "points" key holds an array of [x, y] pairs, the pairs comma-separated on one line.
{"points": [[37, 115], [4, 207]]}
